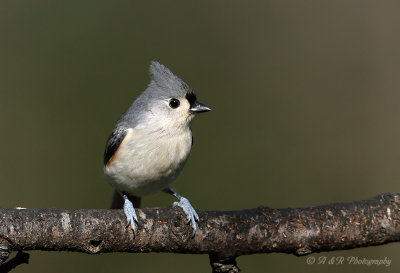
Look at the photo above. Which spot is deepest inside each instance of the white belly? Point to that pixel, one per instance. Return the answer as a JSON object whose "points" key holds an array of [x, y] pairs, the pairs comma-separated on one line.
{"points": [[145, 164]]}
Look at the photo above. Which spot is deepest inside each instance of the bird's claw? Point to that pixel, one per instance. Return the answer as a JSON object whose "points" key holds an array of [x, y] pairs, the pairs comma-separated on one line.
{"points": [[130, 214], [191, 214]]}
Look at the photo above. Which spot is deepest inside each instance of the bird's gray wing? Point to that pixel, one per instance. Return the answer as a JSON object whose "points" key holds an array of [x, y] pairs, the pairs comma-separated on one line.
{"points": [[113, 142]]}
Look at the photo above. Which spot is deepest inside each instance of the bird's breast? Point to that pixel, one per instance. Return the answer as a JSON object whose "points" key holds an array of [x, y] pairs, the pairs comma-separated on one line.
{"points": [[149, 162]]}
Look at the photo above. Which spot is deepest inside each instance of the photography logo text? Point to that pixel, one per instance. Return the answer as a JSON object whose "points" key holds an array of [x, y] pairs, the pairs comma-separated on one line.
{"points": [[350, 260]]}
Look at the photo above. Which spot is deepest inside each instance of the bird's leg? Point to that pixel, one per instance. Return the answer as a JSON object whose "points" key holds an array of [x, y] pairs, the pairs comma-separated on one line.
{"points": [[129, 212], [184, 203]]}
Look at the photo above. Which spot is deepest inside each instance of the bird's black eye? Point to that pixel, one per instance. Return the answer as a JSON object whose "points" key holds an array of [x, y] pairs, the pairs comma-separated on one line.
{"points": [[174, 103]]}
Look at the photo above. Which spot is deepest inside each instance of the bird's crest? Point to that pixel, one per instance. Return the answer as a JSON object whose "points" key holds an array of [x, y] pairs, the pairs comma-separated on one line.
{"points": [[170, 84]]}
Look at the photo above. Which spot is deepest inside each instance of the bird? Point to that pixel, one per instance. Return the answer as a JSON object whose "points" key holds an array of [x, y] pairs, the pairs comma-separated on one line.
{"points": [[150, 144]]}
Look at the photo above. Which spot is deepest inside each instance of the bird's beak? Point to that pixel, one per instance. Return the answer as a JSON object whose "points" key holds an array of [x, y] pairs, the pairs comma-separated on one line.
{"points": [[198, 107]]}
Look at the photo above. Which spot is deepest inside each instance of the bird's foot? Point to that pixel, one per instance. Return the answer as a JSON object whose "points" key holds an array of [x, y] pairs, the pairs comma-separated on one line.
{"points": [[191, 214], [130, 214]]}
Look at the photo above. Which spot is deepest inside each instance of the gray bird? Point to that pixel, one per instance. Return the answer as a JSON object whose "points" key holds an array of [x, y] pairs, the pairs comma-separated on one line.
{"points": [[151, 142]]}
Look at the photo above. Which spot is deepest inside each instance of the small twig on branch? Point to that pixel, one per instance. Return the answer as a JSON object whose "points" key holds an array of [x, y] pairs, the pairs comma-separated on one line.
{"points": [[20, 258], [227, 265], [222, 235]]}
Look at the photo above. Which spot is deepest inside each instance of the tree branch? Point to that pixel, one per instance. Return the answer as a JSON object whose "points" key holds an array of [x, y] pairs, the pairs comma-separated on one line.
{"points": [[222, 235]]}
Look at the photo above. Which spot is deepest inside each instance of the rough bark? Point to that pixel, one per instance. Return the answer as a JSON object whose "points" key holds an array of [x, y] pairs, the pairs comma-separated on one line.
{"points": [[223, 235]]}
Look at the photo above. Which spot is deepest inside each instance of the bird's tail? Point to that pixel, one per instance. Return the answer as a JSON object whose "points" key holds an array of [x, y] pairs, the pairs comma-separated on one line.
{"points": [[117, 201]]}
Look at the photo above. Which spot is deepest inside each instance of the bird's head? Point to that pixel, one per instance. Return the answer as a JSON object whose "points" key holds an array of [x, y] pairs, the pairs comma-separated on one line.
{"points": [[168, 99]]}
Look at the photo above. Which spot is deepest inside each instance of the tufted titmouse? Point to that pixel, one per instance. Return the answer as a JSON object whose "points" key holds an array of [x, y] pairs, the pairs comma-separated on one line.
{"points": [[151, 142]]}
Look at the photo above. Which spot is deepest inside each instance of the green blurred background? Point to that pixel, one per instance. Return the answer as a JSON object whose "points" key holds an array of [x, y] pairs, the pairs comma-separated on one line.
{"points": [[305, 98]]}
